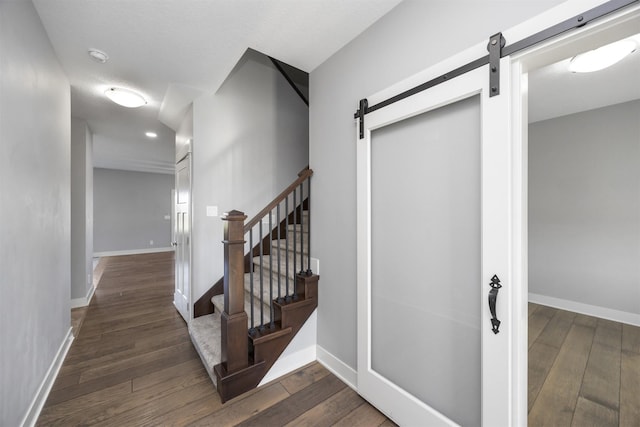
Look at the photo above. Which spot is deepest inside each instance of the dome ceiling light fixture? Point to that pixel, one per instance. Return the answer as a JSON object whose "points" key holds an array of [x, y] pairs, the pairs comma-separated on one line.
{"points": [[98, 55], [125, 97], [151, 134], [602, 57]]}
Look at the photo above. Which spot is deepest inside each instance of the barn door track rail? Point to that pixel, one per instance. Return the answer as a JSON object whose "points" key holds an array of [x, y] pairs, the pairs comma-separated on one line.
{"points": [[497, 49]]}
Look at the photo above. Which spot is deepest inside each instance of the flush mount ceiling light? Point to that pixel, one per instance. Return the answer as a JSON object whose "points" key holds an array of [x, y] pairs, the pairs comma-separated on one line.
{"points": [[603, 57], [151, 134], [98, 55], [125, 97]]}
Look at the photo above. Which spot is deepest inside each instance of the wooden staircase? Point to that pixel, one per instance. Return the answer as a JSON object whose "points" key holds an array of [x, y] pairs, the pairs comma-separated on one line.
{"points": [[269, 292]]}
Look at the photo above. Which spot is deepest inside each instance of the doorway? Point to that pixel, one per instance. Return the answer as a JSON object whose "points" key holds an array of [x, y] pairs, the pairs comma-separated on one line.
{"points": [[583, 236], [182, 235]]}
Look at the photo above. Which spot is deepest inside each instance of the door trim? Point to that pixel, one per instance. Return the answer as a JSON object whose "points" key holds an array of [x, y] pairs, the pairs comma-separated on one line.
{"points": [[624, 22], [188, 158]]}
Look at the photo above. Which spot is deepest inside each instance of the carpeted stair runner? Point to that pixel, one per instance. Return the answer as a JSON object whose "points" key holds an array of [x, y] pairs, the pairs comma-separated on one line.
{"points": [[205, 331]]}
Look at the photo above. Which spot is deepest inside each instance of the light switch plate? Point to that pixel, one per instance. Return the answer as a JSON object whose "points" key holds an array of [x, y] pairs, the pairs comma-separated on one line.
{"points": [[315, 265], [212, 211]]}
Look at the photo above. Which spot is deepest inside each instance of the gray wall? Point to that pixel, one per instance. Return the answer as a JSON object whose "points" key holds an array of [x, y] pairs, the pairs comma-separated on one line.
{"points": [[250, 141], [81, 209], [130, 209], [34, 207], [184, 135], [584, 207], [413, 36], [89, 203]]}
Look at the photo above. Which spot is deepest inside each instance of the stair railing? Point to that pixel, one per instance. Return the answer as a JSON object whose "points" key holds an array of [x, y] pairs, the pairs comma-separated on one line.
{"points": [[256, 239]]}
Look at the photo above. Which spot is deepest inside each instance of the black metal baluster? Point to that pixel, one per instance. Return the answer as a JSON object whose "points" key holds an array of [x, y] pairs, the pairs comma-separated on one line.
{"points": [[309, 272], [295, 240], [252, 329], [261, 280], [297, 219], [279, 249], [301, 229], [271, 322], [286, 244]]}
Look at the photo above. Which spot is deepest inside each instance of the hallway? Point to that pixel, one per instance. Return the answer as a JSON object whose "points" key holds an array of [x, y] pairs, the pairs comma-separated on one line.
{"points": [[132, 354], [133, 363]]}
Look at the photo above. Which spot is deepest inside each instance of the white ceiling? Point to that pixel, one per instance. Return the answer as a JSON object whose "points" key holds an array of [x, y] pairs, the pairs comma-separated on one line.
{"points": [[555, 91], [172, 51]]}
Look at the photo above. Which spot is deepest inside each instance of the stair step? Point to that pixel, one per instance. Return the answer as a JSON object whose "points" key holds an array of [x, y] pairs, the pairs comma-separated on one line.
{"points": [[284, 255], [206, 335], [265, 291], [298, 228], [305, 215], [298, 237], [282, 244], [218, 303], [291, 272]]}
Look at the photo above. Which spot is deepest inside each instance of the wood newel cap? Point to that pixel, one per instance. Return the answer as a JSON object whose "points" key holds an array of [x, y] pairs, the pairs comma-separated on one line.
{"points": [[233, 215]]}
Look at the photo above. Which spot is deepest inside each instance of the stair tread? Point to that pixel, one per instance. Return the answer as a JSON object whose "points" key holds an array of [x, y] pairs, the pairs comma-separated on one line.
{"points": [[283, 265], [298, 228], [218, 303], [282, 244], [205, 332]]}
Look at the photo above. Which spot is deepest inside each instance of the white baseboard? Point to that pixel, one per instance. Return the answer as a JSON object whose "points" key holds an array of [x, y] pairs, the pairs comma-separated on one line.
{"points": [[133, 252], [83, 302], [589, 310], [300, 352], [347, 374], [41, 395]]}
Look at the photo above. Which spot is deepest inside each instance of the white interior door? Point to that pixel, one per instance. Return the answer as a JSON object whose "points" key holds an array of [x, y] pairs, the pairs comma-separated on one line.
{"points": [[182, 242], [433, 230]]}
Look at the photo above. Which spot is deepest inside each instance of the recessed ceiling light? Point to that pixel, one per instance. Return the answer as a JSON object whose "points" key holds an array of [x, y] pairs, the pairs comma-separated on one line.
{"points": [[151, 134], [98, 55], [603, 57], [125, 97]]}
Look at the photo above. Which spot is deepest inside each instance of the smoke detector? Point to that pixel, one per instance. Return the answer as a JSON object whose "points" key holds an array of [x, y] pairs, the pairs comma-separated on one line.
{"points": [[98, 55]]}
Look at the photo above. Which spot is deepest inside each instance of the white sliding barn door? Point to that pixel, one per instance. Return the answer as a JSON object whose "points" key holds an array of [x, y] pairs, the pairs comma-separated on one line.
{"points": [[433, 231]]}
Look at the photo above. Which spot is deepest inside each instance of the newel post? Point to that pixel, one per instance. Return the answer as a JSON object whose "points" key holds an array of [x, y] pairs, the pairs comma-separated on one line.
{"points": [[234, 349]]}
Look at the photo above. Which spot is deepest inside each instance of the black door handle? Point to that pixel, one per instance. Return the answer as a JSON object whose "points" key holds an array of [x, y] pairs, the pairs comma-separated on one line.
{"points": [[493, 297]]}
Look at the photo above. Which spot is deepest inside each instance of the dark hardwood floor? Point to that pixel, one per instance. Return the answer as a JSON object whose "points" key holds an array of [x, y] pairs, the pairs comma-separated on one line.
{"points": [[583, 371], [133, 364]]}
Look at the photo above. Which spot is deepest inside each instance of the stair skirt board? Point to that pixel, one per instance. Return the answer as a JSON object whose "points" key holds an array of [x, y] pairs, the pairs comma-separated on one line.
{"points": [[300, 351], [205, 335]]}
